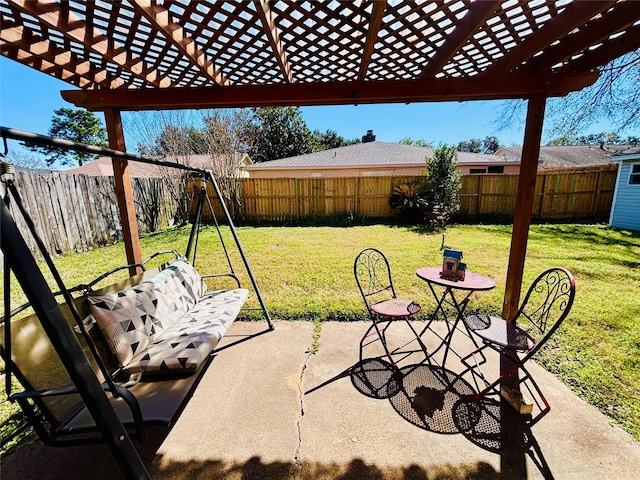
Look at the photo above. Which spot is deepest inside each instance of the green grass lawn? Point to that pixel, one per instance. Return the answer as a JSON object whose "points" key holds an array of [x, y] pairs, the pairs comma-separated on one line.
{"points": [[307, 273]]}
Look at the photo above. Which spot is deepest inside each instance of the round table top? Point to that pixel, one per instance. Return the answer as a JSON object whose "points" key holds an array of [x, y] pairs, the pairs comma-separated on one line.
{"points": [[472, 280]]}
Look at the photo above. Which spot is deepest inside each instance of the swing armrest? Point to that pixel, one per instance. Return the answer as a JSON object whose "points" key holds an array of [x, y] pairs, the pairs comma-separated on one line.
{"points": [[218, 275], [120, 392], [143, 265], [89, 286], [134, 406]]}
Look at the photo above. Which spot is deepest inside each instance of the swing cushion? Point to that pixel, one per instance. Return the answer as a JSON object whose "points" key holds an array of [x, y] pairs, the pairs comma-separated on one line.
{"points": [[189, 342], [166, 322]]}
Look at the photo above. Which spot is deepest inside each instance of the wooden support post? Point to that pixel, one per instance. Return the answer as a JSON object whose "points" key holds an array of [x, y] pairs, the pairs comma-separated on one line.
{"points": [[524, 205], [124, 191]]}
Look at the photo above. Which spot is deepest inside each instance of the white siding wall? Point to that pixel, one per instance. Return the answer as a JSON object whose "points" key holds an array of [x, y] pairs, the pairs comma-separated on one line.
{"points": [[625, 211]]}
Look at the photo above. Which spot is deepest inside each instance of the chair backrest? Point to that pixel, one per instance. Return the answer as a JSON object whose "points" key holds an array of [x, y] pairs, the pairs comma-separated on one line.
{"points": [[546, 304], [373, 276]]}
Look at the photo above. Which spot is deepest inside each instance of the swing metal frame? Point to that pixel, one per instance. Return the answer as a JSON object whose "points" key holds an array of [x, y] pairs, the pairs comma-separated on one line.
{"points": [[92, 392]]}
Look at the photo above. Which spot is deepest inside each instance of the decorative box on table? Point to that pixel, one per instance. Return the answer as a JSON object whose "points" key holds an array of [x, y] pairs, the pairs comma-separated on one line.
{"points": [[452, 266]]}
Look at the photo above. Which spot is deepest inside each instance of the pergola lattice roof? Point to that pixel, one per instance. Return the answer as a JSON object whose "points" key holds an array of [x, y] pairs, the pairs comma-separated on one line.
{"points": [[312, 52]]}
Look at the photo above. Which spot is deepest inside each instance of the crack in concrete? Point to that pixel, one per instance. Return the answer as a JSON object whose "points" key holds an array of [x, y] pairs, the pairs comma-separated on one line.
{"points": [[296, 469]]}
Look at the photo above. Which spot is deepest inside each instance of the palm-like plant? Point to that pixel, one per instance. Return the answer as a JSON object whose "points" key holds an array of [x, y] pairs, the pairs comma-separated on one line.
{"points": [[410, 200]]}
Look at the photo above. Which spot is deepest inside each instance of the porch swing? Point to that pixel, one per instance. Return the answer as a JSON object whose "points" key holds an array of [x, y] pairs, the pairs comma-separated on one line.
{"points": [[66, 366]]}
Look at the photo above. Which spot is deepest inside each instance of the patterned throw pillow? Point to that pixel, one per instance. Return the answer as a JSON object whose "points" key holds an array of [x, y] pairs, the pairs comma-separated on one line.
{"points": [[173, 301], [190, 278], [123, 316]]}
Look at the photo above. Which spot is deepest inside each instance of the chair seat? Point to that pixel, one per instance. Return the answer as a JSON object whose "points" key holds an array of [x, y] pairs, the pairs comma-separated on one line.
{"points": [[500, 332], [396, 307]]}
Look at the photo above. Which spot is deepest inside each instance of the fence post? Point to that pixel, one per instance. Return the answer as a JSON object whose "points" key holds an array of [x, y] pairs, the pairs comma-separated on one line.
{"points": [[544, 196], [356, 194], [594, 201], [479, 194], [296, 188]]}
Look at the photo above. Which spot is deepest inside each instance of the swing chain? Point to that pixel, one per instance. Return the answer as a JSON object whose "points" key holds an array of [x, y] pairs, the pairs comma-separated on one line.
{"points": [[6, 148], [7, 170]]}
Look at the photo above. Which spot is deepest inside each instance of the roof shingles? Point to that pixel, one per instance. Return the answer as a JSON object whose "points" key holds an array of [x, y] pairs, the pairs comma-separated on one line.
{"points": [[372, 154]]}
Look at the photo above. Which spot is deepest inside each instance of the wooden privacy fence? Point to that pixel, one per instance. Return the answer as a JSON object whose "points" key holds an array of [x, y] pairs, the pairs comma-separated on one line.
{"points": [[567, 193], [76, 212]]}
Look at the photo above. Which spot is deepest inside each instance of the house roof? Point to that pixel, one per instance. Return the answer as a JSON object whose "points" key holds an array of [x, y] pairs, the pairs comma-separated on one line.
{"points": [[567, 156], [372, 154], [104, 167], [630, 154]]}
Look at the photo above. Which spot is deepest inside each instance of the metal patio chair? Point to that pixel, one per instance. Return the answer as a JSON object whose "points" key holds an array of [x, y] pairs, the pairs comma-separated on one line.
{"points": [[546, 305], [373, 276]]}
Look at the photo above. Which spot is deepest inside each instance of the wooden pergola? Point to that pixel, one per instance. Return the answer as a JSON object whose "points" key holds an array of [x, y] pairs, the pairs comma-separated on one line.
{"points": [[180, 54]]}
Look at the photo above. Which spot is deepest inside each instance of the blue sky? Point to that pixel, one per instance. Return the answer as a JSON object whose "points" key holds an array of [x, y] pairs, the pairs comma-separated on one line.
{"points": [[28, 99]]}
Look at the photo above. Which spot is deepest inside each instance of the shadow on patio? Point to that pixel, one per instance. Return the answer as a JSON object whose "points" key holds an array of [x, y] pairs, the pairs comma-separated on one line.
{"points": [[255, 416]]}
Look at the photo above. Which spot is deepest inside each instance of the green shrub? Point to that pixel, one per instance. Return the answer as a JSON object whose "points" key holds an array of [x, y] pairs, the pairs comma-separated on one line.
{"points": [[443, 184]]}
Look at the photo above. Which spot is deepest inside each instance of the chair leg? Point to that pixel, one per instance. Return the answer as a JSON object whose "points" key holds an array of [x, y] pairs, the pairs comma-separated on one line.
{"points": [[473, 363], [377, 332], [423, 347], [524, 381], [536, 394], [379, 335]]}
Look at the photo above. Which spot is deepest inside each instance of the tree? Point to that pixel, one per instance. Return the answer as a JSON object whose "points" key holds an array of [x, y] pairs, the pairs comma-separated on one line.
{"points": [[472, 146], [614, 97], [490, 144], [21, 158], [602, 138], [420, 142], [330, 139], [278, 132], [221, 136], [436, 198], [443, 184], [78, 126]]}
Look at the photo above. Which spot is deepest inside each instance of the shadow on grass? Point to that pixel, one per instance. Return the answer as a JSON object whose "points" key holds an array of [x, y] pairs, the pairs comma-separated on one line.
{"points": [[602, 236]]}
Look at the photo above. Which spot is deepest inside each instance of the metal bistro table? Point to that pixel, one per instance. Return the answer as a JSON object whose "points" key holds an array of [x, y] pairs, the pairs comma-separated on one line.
{"points": [[473, 282]]}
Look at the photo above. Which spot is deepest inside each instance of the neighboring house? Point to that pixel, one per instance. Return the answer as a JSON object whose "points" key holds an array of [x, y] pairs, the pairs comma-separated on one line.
{"points": [[567, 156], [625, 208], [372, 158], [103, 166]]}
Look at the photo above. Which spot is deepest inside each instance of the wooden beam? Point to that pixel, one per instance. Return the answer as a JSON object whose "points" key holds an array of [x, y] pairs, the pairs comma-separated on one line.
{"points": [[271, 31], [58, 17], [42, 65], [159, 17], [375, 22], [334, 93], [608, 51], [463, 31], [524, 205], [574, 15], [124, 191], [25, 40], [621, 17]]}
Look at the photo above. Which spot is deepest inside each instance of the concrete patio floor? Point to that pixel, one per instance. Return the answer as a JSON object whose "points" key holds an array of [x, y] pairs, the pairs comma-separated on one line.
{"points": [[252, 417]]}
